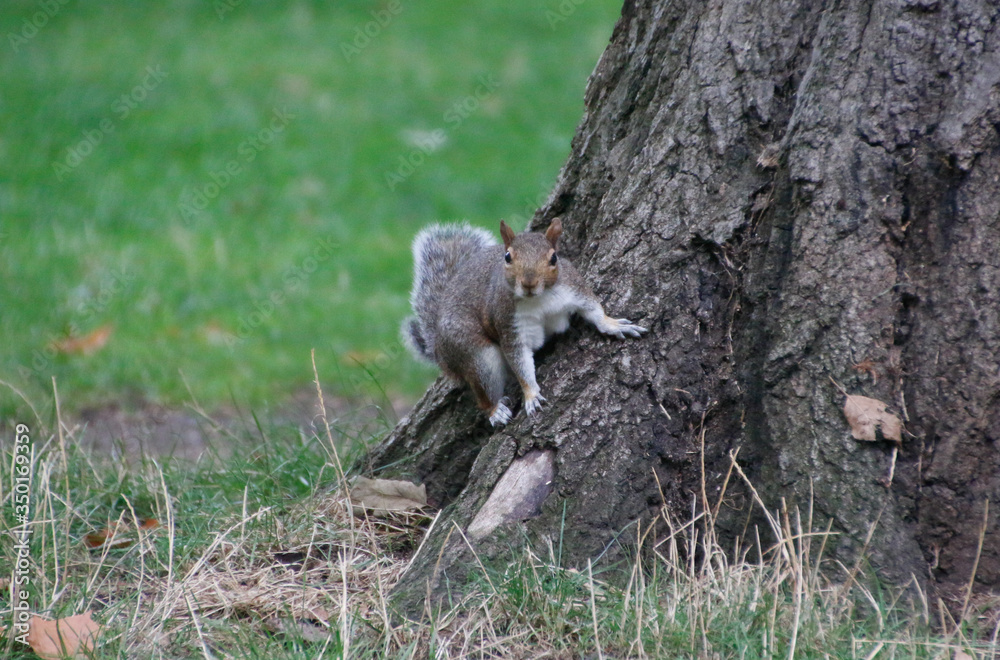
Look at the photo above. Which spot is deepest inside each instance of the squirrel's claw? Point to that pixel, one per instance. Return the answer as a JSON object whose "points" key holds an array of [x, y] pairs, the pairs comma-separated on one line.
{"points": [[533, 404], [626, 327], [620, 327], [501, 414]]}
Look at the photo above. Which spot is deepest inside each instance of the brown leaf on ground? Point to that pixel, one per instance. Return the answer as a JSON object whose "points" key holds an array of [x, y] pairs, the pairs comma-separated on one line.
{"points": [[85, 345], [61, 638], [387, 495], [117, 535], [868, 416]]}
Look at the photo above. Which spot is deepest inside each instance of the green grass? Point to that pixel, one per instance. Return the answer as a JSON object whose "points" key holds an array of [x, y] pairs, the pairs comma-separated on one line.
{"points": [[221, 575], [113, 234]]}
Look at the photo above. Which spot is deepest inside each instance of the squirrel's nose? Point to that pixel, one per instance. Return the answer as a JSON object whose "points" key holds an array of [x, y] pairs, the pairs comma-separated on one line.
{"points": [[529, 286]]}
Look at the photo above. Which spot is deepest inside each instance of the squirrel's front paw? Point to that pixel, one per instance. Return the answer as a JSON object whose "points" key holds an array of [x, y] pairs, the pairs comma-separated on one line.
{"points": [[501, 414], [620, 327], [533, 403]]}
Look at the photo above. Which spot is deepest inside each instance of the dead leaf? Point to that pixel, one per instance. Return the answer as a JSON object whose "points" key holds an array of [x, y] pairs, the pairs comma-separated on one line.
{"points": [[866, 366], [116, 535], [85, 345], [867, 416], [962, 655], [321, 614], [387, 495], [61, 638]]}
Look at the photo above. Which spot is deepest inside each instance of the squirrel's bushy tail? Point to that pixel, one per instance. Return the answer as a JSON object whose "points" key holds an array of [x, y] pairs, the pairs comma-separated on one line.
{"points": [[413, 339], [438, 251]]}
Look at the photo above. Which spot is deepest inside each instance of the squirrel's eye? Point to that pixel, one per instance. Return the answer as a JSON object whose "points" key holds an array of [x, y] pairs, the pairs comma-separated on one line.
{"points": [[553, 260], [506, 257]]}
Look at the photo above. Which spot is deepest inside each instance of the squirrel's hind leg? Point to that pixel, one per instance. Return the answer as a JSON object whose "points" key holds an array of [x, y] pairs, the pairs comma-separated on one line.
{"points": [[487, 378], [501, 414]]}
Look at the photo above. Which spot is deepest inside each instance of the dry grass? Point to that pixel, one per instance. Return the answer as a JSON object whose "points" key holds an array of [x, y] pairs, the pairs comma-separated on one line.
{"points": [[281, 576], [332, 570]]}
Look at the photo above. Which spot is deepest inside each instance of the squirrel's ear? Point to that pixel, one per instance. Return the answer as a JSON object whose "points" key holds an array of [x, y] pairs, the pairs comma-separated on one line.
{"points": [[506, 233], [553, 232]]}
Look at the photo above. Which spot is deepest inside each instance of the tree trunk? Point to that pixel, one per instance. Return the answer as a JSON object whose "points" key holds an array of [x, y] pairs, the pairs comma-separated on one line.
{"points": [[786, 195]]}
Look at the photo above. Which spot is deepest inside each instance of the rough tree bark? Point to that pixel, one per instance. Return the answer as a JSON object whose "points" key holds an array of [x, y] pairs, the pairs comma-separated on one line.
{"points": [[787, 194]]}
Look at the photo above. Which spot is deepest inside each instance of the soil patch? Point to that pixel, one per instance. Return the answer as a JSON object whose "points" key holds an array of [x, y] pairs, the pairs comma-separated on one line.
{"points": [[130, 431]]}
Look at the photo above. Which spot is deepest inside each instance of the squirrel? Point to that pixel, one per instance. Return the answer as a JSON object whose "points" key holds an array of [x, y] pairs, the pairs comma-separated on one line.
{"points": [[482, 309]]}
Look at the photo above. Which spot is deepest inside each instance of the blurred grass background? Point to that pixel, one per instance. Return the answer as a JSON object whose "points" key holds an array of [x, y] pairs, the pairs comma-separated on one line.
{"points": [[217, 187]]}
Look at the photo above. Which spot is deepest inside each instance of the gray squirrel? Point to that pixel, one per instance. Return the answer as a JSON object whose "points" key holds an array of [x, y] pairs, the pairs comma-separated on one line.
{"points": [[482, 309]]}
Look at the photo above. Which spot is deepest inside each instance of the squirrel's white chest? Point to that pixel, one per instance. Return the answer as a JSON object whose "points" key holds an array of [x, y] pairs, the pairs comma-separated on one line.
{"points": [[540, 317]]}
